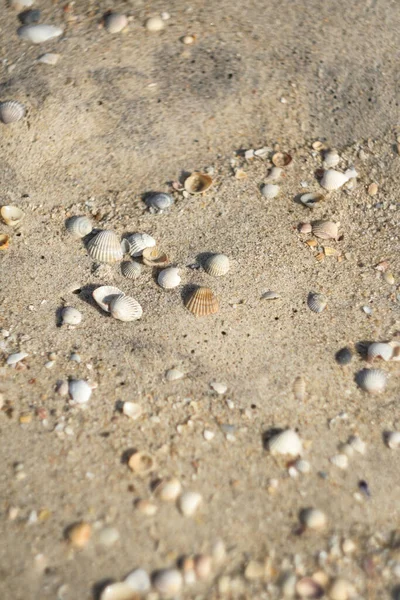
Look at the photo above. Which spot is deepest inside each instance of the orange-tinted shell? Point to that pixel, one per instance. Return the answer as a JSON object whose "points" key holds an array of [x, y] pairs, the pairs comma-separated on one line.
{"points": [[202, 302]]}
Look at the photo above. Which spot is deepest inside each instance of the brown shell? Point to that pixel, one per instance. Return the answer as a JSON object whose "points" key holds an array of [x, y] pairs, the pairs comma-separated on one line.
{"points": [[155, 257], [202, 302], [198, 183], [4, 241]]}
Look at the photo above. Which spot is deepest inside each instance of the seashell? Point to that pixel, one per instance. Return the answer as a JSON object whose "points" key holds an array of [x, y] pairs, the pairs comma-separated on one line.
{"points": [[305, 228], [219, 387], [131, 269], [331, 159], [357, 444], [299, 388], [11, 111], [380, 350], [159, 201], [139, 581], [302, 466], [146, 507], [328, 251], [118, 591], [115, 22], [169, 278], [138, 242], [306, 587], [141, 463], [198, 183], [311, 199], [333, 180], [15, 358], [105, 247], [154, 24], [344, 356], [173, 375], [388, 277], [154, 257], [79, 534], [274, 174], [325, 230], [286, 442], [108, 536], [104, 294], [132, 410], [4, 241], [79, 226], [189, 502], [340, 460], [392, 440], [341, 589], [125, 308], [11, 215], [316, 302], [202, 302], [217, 265], [70, 316], [281, 159], [270, 295], [372, 381], [39, 33], [313, 518], [270, 190], [79, 390], [49, 58], [168, 582], [202, 566], [168, 490]]}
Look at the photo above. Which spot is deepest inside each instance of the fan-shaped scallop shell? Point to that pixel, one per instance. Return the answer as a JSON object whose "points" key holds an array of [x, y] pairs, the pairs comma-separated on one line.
{"points": [[131, 269], [372, 381], [169, 278], [311, 199], [11, 111], [285, 442], [325, 230], [217, 265], [125, 308], [155, 257], [333, 180], [159, 201], [105, 247], [198, 183], [79, 226], [380, 350], [104, 294], [270, 190], [11, 215], [202, 302], [317, 302], [138, 242]]}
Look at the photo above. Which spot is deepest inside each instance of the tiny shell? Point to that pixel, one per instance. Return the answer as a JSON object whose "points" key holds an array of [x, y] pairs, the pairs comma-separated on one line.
{"points": [[274, 174], [380, 350], [138, 242], [217, 265], [198, 183], [39, 33], [202, 302], [169, 278], [306, 587], [305, 228], [287, 442], [393, 440], [154, 24], [168, 582], [141, 463], [311, 199], [105, 247], [11, 215], [79, 534], [125, 308], [15, 358], [115, 22], [333, 180], [154, 257], [219, 387], [313, 518], [108, 536], [344, 356], [138, 580], [118, 591], [11, 111], [79, 226], [131, 269], [189, 502], [159, 201], [4, 241], [325, 230], [331, 159], [316, 302], [270, 295], [372, 380], [168, 490], [173, 375], [340, 460], [132, 410], [270, 190], [71, 316], [49, 58], [299, 388], [389, 278], [104, 294], [79, 390], [281, 159]]}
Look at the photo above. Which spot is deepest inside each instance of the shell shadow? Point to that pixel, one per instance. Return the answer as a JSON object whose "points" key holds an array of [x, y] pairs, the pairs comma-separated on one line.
{"points": [[297, 200], [100, 586], [268, 434], [183, 175], [203, 257], [362, 348], [85, 294], [125, 456], [58, 316], [187, 291]]}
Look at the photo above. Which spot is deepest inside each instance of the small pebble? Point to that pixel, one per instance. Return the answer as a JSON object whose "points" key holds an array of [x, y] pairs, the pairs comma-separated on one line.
{"points": [[168, 582], [344, 356], [188, 40], [389, 278], [146, 507], [208, 435], [75, 357], [373, 189], [168, 490], [189, 503], [393, 440], [367, 310], [108, 536], [341, 589], [202, 566], [114, 22], [139, 581], [79, 534], [313, 518], [154, 24]]}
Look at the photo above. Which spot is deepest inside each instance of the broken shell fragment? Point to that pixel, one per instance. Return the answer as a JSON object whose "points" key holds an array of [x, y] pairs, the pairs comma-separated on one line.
{"points": [[15, 358], [270, 190], [49, 58], [79, 226], [372, 381], [104, 294], [79, 390], [313, 518], [105, 247], [331, 159], [286, 442], [380, 350], [202, 302], [115, 22], [39, 33], [281, 159], [155, 257], [217, 265], [311, 199], [333, 180], [189, 502], [173, 375], [326, 230], [4, 241], [159, 201], [141, 463], [138, 242], [70, 316], [131, 269], [317, 302], [198, 183], [125, 308], [11, 111], [169, 278], [168, 490]]}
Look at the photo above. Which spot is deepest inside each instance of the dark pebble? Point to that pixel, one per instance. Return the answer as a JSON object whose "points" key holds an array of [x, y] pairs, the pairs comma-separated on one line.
{"points": [[344, 356], [29, 16]]}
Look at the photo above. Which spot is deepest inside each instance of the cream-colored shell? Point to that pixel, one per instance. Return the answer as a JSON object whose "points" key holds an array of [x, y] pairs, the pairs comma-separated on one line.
{"points": [[39, 33], [372, 381], [286, 442], [189, 502], [217, 265], [168, 490], [139, 581], [341, 461], [313, 518], [138, 242], [79, 226], [131, 269], [11, 215], [104, 294], [71, 316], [79, 390], [198, 183], [125, 308], [11, 111], [270, 190], [105, 247], [168, 582], [141, 463], [118, 591], [333, 180], [169, 278], [393, 440]]}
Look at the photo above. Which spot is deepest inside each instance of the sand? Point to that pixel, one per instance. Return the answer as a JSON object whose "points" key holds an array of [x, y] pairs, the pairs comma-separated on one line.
{"points": [[119, 116]]}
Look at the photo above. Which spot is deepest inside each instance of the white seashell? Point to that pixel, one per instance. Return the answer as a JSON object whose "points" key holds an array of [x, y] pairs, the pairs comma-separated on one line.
{"points": [[131, 269], [189, 502], [173, 375], [372, 380], [154, 24], [286, 442], [331, 159], [219, 387], [303, 466], [11, 111], [105, 247], [138, 242], [50, 58], [79, 226], [139, 581], [168, 582], [159, 201], [114, 22], [340, 460], [79, 390], [132, 410], [141, 463], [313, 518], [274, 174], [333, 180], [11, 215], [380, 350], [217, 265], [13, 359], [71, 316], [169, 278], [316, 302], [351, 173], [357, 444], [393, 440], [104, 294], [270, 295], [270, 190], [21, 4], [118, 591], [168, 490], [39, 33], [125, 308]]}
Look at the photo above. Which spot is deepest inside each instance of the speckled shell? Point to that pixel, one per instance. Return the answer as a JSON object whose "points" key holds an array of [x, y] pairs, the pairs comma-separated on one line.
{"points": [[104, 294], [202, 302], [270, 190], [105, 247], [333, 180], [79, 226], [372, 381], [380, 350], [39, 33], [198, 183], [325, 230], [285, 442], [169, 278], [115, 22], [11, 215], [217, 265], [125, 308], [11, 111], [159, 201], [131, 269], [155, 257], [316, 302], [79, 390], [138, 242]]}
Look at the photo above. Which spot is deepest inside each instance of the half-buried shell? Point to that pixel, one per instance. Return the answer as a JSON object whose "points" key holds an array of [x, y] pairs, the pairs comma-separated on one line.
{"points": [[155, 257], [138, 242], [125, 308], [217, 265], [311, 199], [317, 302], [380, 350], [105, 247], [198, 183], [79, 226], [11, 111], [270, 190], [104, 294], [159, 201], [202, 302]]}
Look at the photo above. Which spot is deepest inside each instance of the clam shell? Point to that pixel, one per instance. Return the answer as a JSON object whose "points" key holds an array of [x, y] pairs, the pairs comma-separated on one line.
{"points": [[131, 269], [11, 111], [138, 242], [317, 302], [125, 308], [198, 183], [79, 390], [311, 199], [105, 247], [305, 228], [392, 440], [169, 278], [380, 350], [372, 381], [79, 534], [79, 226], [217, 265], [202, 302], [281, 159], [39, 33], [118, 591], [189, 502], [154, 257], [331, 159], [70, 316], [4, 241], [333, 180], [299, 388], [104, 294], [286, 442], [11, 215], [168, 582], [159, 201], [326, 230], [114, 22], [313, 518], [141, 463], [168, 490], [139, 581], [270, 190]]}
